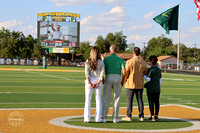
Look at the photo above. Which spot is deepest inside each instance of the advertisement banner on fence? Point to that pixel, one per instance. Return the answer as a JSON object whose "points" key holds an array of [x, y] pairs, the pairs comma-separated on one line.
{"points": [[15, 61], [22, 61], [2, 61], [8, 61]]}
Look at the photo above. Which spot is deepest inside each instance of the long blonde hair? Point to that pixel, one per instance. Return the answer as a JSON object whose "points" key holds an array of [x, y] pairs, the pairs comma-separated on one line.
{"points": [[93, 59]]}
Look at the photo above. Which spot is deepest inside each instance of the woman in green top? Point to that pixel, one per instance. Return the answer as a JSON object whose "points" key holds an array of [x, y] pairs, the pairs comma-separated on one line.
{"points": [[154, 80]]}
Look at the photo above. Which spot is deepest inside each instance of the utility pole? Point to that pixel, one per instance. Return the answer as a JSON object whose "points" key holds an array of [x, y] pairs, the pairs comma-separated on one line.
{"points": [[195, 58], [194, 50], [144, 48]]}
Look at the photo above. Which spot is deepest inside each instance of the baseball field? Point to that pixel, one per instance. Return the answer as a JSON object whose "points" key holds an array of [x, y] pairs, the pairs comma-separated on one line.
{"points": [[39, 96]]}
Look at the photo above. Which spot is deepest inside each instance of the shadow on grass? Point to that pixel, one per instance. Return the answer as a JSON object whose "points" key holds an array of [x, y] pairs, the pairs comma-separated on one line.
{"points": [[133, 120], [194, 119]]}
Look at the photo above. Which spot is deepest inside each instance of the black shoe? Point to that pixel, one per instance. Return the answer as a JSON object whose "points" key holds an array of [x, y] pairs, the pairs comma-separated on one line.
{"points": [[152, 118], [156, 117]]}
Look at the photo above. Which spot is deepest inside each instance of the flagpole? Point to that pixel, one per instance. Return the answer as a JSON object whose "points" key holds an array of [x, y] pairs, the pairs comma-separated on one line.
{"points": [[178, 36]]}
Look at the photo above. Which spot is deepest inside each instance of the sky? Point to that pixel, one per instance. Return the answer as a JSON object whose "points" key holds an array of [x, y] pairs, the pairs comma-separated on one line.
{"points": [[100, 17]]}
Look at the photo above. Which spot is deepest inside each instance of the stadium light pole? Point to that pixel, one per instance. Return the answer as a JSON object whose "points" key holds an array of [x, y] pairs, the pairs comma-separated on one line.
{"points": [[178, 36]]}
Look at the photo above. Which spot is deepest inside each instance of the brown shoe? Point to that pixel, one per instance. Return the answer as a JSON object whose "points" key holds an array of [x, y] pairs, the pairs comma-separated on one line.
{"points": [[153, 118], [126, 118]]}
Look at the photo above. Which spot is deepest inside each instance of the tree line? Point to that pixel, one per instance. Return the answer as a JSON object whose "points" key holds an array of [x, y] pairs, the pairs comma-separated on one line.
{"points": [[162, 45], [13, 44]]}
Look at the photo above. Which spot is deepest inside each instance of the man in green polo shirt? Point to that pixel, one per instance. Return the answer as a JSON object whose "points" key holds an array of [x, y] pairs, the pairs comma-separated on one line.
{"points": [[114, 65]]}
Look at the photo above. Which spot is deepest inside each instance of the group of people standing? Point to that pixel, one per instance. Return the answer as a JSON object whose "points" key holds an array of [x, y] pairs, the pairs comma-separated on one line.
{"points": [[117, 74]]}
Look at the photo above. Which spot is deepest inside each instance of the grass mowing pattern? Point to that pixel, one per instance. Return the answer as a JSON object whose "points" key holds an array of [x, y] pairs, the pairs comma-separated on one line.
{"points": [[43, 89], [134, 124]]}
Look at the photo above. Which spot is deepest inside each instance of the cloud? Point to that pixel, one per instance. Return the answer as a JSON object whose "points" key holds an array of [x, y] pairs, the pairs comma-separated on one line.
{"points": [[93, 29], [29, 30], [166, 6], [195, 30], [191, 12], [27, 19], [137, 38], [30, 27], [149, 15], [10, 24], [114, 2], [117, 10], [116, 18], [185, 35], [19, 26], [142, 27], [60, 3], [92, 39]]}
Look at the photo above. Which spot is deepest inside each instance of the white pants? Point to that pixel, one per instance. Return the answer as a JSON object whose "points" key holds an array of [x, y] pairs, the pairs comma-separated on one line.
{"points": [[88, 97]]}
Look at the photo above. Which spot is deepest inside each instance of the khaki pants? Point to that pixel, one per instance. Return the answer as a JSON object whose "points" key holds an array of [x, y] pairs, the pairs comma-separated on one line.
{"points": [[112, 82]]}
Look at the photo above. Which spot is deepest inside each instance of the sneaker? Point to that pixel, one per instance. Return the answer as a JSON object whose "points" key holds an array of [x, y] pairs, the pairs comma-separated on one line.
{"points": [[141, 118], [126, 118], [115, 121], [103, 120]]}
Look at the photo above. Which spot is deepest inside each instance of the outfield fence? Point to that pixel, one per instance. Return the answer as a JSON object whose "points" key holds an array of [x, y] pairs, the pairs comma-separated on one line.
{"points": [[183, 66], [81, 63], [39, 62]]}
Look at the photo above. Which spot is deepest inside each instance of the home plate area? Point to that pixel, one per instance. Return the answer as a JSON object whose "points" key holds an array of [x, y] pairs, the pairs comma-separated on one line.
{"points": [[49, 120]]}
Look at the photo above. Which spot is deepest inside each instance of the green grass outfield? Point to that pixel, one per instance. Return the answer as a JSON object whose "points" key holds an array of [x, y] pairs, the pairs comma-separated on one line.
{"points": [[53, 89]]}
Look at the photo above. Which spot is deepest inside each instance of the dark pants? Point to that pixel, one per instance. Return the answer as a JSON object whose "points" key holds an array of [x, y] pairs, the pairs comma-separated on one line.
{"points": [[153, 98], [130, 94]]}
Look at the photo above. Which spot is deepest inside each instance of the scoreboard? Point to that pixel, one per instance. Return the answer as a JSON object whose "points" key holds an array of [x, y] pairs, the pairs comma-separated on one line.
{"points": [[58, 31]]}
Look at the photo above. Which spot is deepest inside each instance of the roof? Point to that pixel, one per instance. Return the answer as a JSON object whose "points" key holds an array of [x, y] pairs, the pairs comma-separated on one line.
{"points": [[161, 58], [124, 56], [79, 54]]}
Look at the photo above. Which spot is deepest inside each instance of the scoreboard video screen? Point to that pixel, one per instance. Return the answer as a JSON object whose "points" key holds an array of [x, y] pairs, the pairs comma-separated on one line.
{"points": [[58, 29]]}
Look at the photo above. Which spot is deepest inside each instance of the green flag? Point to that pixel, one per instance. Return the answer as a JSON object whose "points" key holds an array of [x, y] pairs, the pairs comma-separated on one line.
{"points": [[168, 19]]}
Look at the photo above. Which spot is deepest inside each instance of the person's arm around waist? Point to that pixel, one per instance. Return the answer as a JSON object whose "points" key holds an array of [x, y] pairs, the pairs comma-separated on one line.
{"points": [[147, 78]]}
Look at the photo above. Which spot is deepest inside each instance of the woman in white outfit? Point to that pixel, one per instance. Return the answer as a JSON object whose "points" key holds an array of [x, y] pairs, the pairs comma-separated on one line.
{"points": [[94, 72]]}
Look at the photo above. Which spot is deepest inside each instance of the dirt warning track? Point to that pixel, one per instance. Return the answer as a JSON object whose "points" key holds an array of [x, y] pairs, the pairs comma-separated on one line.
{"points": [[38, 120]]}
